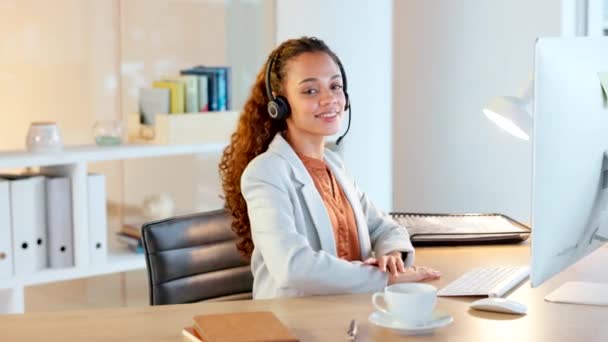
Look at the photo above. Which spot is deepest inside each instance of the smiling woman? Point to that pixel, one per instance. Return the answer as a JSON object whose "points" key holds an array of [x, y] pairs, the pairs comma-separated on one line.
{"points": [[314, 87], [306, 226]]}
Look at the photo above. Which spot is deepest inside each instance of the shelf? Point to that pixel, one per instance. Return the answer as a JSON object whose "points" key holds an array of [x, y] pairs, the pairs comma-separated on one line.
{"points": [[122, 260], [93, 153]]}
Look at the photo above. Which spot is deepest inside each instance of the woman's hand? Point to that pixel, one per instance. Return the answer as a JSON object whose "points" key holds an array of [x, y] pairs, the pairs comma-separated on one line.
{"points": [[391, 262], [414, 274]]}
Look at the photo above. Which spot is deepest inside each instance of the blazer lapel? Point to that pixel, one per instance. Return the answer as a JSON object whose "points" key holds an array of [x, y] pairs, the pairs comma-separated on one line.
{"points": [[353, 199], [310, 194], [320, 217]]}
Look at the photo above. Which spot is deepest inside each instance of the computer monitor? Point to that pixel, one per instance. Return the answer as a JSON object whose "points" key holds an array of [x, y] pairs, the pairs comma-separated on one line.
{"points": [[570, 142]]}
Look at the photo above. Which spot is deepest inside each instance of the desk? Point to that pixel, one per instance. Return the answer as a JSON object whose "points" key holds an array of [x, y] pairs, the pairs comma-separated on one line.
{"points": [[327, 318]]}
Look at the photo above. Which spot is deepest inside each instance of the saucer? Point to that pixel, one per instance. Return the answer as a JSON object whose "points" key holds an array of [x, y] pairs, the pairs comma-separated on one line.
{"points": [[438, 320]]}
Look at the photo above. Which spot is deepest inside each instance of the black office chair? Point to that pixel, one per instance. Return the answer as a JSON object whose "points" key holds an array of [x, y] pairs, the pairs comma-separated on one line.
{"points": [[194, 258]]}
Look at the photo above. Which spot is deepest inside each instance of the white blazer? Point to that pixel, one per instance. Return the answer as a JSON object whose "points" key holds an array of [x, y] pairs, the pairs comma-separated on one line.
{"points": [[294, 245]]}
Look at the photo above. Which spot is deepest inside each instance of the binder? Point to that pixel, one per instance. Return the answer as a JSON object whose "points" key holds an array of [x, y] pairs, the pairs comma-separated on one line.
{"points": [[59, 222], [461, 229], [28, 223], [97, 213], [6, 250]]}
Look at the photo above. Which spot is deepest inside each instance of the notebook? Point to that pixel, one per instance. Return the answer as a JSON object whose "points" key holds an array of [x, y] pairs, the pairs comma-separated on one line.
{"points": [[190, 335], [255, 326], [456, 229]]}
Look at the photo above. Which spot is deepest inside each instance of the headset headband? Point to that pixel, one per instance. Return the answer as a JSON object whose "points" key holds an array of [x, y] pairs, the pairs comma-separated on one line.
{"points": [[271, 64]]}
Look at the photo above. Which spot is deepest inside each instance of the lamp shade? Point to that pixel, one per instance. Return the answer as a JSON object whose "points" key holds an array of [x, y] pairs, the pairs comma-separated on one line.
{"points": [[510, 114], [513, 114]]}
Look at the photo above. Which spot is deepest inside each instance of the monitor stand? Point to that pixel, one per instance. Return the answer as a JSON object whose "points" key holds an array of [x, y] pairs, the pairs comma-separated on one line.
{"points": [[589, 293], [578, 292]]}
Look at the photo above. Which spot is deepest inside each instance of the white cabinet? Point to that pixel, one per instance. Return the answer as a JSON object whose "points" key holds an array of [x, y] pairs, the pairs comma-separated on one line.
{"points": [[73, 161]]}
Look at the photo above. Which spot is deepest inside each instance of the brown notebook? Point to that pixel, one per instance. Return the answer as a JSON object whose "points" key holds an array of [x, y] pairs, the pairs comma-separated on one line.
{"points": [[190, 335], [258, 326]]}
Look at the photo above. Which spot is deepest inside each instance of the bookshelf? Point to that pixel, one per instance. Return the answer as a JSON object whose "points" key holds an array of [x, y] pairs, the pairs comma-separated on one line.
{"points": [[92, 153], [73, 161], [104, 52], [119, 260]]}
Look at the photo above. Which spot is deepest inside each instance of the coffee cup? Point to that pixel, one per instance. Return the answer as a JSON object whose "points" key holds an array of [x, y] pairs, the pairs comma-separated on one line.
{"points": [[407, 302]]}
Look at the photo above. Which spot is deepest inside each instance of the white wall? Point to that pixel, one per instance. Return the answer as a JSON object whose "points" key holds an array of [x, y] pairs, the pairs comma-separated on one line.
{"points": [[235, 33], [450, 58], [360, 32]]}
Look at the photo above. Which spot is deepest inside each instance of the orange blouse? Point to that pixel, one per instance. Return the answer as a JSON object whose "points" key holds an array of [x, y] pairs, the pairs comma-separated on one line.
{"points": [[340, 212]]}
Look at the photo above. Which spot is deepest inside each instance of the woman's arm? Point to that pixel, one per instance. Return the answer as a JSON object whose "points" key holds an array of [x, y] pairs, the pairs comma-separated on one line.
{"points": [[287, 254], [386, 235]]}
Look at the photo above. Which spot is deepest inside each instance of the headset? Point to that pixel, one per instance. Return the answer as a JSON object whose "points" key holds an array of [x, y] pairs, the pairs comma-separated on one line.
{"points": [[278, 107]]}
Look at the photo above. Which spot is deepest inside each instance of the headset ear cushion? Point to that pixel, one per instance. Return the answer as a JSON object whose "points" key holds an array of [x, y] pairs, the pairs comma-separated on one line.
{"points": [[273, 110], [279, 109]]}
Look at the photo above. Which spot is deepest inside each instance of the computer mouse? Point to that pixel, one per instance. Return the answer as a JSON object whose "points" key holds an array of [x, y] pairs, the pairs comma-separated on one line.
{"points": [[496, 304]]}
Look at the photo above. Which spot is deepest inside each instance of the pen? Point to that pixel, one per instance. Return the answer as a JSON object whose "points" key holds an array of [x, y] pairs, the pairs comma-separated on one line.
{"points": [[351, 334]]}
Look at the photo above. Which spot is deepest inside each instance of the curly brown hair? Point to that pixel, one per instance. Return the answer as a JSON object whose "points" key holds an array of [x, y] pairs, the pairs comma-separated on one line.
{"points": [[255, 129]]}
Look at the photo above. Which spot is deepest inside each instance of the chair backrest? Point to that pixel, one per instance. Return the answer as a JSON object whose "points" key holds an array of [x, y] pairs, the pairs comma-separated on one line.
{"points": [[194, 258]]}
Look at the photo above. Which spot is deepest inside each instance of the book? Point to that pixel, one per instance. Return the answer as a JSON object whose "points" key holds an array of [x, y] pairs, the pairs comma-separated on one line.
{"points": [[212, 85], [133, 231], [132, 225], [192, 105], [222, 88], [254, 326], [132, 243], [153, 101], [177, 92], [190, 335], [218, 91], [191, 95], [203, 93]]}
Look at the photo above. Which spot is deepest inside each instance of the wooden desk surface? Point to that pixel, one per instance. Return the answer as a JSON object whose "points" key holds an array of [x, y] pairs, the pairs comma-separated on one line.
{"points": [[327, 318]]}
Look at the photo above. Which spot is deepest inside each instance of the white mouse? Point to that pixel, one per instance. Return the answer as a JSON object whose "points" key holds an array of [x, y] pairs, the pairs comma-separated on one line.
{"points": [[497, 304]]}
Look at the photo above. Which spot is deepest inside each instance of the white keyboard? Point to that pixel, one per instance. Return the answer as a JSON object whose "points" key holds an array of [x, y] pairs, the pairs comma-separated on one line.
{"points": [[486, 281]]}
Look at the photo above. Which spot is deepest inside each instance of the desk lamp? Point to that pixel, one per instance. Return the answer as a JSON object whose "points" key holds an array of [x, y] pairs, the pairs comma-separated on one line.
{"points": [[513, 114]]}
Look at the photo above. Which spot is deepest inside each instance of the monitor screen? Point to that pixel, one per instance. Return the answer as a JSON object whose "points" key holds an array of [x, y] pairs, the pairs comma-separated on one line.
{"points": [[570, 141]]}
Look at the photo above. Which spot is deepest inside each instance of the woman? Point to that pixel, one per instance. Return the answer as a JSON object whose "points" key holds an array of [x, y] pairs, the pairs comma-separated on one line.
{"points": [[306, 226]]}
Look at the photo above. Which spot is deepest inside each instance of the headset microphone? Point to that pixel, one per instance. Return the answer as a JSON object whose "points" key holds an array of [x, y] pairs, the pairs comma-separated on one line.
{"points": [[347, 127]]}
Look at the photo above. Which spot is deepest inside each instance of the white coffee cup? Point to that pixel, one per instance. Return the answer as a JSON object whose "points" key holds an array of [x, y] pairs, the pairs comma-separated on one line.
{"points": [[407, 302]]}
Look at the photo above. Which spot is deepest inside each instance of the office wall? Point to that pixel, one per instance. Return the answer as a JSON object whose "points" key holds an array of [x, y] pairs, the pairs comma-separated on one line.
{"points": [[235, 33], [191, 33], [450, 58], [360, 32], [57, 63]]}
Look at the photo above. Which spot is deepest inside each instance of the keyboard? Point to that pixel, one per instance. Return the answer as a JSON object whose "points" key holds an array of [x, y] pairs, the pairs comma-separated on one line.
{"points": [[486, 281]]}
